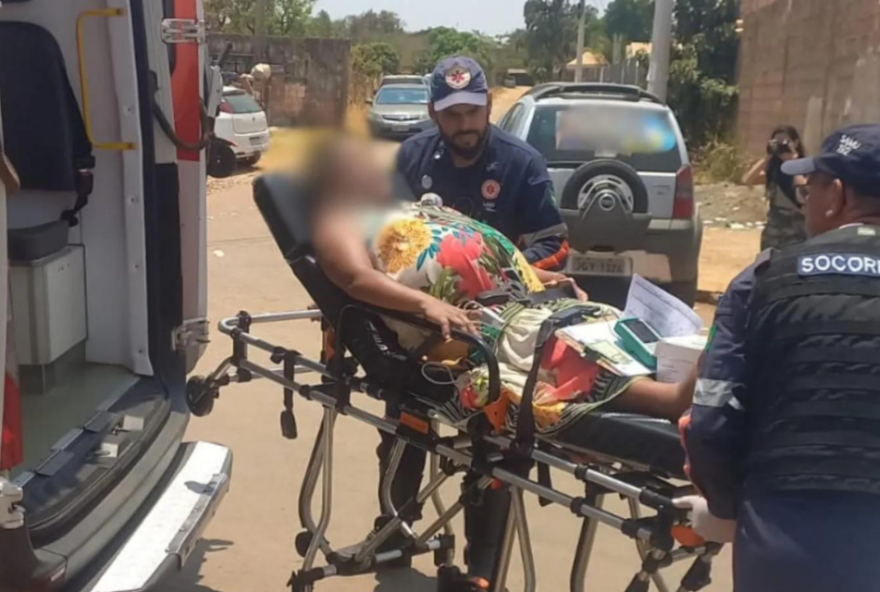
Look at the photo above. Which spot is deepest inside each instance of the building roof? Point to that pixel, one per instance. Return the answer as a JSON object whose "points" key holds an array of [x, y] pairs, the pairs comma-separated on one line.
{"points": [[591, 60], [636, 48]]}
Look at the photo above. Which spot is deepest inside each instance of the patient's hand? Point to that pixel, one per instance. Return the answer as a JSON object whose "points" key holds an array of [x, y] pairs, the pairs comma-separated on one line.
{"points": [[563, 280], [449, 317]]}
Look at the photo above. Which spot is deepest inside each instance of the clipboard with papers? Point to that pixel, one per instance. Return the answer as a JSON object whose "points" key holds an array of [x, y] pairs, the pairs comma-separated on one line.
{"points": [[598, 342]]}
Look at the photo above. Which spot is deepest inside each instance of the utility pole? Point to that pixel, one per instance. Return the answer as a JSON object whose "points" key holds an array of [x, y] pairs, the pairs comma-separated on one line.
{"points": [[260, 31], [579, 65], [661, 44]]}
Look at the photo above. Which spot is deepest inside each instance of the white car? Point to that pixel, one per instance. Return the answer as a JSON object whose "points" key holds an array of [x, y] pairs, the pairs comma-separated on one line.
{"points": [[242, 131]]}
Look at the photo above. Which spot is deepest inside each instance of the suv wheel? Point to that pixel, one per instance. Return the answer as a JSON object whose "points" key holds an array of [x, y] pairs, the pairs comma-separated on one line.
{"points": [[605, 184]]}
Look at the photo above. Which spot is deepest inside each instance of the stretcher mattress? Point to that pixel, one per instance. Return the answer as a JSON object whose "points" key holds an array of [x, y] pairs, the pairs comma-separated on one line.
{"points": [[633, 439]]}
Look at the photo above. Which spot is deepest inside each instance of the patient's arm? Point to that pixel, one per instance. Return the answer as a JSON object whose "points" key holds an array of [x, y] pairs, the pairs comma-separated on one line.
{"points": [[658, 399], [554, 278], [340, 249]]}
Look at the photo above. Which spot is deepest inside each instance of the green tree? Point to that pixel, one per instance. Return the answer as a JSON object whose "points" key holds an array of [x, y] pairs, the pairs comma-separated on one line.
{"points": [[444, 42], [373, 26], [325, 27], [702, 80], [284, 18], [290, 18], [631, 19], [551, 35], [369, 62]]}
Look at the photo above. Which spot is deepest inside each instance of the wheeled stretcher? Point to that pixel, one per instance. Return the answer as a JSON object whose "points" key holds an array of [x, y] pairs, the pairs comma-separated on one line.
{"points": [[636, 457]]}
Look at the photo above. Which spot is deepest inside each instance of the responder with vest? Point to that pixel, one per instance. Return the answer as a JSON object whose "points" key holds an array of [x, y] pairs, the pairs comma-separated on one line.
{"points": [[783, 439]]}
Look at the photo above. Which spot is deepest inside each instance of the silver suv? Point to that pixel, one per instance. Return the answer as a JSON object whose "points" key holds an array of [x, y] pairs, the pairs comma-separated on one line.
{"points": [[623, 182]]}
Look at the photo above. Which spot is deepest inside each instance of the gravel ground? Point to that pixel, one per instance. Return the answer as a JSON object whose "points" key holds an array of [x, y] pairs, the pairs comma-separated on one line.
{"points": [[732, 206]]}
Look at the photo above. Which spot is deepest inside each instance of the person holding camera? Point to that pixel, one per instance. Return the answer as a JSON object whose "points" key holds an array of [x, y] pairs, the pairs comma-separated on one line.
{"points": [[785, 220]]}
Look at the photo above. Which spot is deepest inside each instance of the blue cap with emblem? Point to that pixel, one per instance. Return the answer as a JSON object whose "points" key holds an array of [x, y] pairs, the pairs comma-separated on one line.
{"points": [[851, 154], [458, 80]]}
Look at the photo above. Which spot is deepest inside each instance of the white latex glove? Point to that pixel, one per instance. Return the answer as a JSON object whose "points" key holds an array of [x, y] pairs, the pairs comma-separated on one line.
{"points": [[704, 523]]}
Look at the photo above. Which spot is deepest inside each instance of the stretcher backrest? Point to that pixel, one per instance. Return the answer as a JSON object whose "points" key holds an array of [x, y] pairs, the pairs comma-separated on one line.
{"points": [[284, 205]]}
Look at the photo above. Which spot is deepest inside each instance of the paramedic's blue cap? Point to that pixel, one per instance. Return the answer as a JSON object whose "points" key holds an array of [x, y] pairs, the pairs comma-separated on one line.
{"points": [[458, 80], [851, 154]]}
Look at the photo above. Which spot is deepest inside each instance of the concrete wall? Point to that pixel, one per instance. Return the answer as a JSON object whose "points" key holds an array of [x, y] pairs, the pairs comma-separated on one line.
{"points": [[814, 64], [309, 84]]}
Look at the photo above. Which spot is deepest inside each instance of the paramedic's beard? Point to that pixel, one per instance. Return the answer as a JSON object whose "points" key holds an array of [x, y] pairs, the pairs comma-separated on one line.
{"points": [[469, 152]]}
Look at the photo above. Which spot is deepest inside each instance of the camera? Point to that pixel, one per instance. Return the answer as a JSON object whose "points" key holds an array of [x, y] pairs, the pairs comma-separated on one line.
{"points": [[779, 147]]}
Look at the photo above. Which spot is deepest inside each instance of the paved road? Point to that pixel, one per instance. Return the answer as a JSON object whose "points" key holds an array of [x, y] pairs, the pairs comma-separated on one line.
{"points": [[249, 545]]}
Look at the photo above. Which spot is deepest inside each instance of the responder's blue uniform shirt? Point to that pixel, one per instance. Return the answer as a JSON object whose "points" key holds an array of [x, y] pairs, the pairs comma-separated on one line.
{"points": [[715, 434], [509, 189]]}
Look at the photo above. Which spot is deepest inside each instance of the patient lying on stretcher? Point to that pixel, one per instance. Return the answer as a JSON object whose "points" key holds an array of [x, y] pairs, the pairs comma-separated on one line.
{"points": [[434, 262]]}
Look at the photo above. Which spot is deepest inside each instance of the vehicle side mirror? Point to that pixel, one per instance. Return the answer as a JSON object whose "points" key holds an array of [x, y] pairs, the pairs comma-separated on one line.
{"points": [[369, 101]]}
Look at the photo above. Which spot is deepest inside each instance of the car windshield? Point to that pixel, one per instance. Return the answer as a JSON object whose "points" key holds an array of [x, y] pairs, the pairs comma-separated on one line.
{"points": [[643, 138], [402, 96], [242, 103]]}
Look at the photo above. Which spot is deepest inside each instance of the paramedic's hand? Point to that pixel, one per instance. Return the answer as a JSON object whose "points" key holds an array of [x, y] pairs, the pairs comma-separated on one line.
{"points": [[706, 525], [448, 317], [563, 280]]}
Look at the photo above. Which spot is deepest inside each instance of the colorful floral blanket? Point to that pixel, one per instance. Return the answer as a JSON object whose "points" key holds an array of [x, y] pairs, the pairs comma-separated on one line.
{"points": [[455, 258]]}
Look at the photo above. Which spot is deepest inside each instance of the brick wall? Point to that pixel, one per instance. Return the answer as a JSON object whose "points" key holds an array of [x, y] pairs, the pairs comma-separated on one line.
{"points": [[814, 64], [309, 84]]}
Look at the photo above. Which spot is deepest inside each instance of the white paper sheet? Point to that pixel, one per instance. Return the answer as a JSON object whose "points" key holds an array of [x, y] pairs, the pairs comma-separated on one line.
{"points": [[676, 357], [668, 315]]}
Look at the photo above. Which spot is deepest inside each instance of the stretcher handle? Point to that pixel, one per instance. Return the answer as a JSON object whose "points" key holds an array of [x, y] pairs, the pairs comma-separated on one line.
{"points": [[472, 340]]}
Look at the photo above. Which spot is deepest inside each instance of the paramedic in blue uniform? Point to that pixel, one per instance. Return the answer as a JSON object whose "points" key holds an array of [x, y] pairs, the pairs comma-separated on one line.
{"points": [[482, 171], [487, 174], [783, 439]]}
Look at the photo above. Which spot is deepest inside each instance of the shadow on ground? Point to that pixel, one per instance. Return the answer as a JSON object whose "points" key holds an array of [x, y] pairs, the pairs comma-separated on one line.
{"points": [[409, 580]]}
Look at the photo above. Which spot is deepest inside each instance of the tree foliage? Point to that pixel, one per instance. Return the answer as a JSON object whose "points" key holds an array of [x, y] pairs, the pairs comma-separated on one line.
{"points": [[369, 62], [550, 37], [375, 59], [372, 26], [702, 81], [631, 19], [289, 17], [444, 42]]}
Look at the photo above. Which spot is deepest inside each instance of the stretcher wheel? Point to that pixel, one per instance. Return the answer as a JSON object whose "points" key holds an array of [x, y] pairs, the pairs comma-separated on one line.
{"points": [[200, 396], [302, 542], [449, 579]]}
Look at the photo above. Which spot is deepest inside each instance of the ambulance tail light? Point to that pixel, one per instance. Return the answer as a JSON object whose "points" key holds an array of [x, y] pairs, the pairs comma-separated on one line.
{"points": [[683, 205]]}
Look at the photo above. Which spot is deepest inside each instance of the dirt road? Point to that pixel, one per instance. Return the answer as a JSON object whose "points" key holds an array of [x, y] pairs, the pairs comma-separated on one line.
{"points": [[249, 545]]}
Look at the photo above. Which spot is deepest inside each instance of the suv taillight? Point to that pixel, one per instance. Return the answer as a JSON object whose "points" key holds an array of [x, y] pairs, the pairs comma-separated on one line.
{"points": [[225, 107], [683, 206]]}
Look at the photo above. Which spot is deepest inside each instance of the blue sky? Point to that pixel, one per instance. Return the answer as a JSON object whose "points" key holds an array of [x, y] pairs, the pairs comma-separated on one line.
{"points": [[489, 16]]}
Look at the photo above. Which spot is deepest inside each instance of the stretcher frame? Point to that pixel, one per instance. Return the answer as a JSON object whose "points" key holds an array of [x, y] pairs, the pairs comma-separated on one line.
{"points": [[511, 467]]}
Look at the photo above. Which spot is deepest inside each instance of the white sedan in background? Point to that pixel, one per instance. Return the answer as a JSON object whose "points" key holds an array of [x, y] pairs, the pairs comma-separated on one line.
{"points": [[242, 133]]}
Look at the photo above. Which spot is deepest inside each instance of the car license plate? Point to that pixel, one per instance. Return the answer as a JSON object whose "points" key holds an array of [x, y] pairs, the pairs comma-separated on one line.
{"points": [[599, 265], [400, 128], [257, 141]]}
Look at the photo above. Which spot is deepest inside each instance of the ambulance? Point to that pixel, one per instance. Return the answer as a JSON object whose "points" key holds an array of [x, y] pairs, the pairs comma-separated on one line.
{"points": [[106, 108]]}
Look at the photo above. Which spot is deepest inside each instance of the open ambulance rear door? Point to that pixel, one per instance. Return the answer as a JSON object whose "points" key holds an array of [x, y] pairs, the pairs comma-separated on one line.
{"points": [[106, 104]]}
